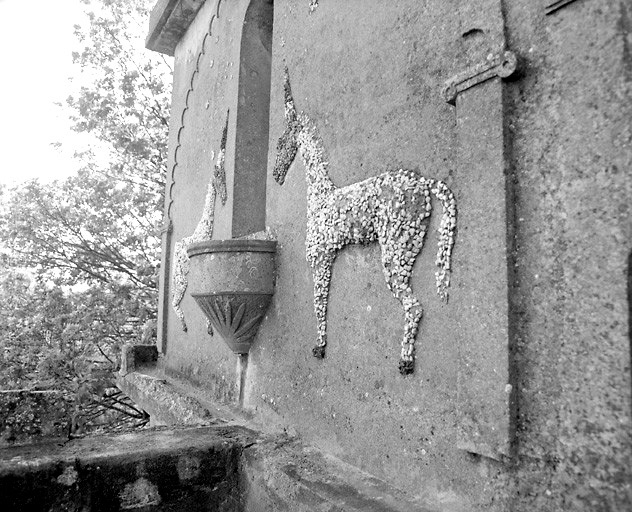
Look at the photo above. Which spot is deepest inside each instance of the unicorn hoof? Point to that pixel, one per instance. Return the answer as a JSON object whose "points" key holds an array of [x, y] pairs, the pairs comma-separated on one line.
{"points": [[319, 352], [406, 367]]}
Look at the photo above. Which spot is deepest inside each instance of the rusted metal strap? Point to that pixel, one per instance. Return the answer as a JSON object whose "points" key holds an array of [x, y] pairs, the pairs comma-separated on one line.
{"points": [[554, 6], [500, 64]]}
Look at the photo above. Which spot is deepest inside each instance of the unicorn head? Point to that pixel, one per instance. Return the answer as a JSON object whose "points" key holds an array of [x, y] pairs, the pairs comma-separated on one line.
{"points": [[287, 146]]}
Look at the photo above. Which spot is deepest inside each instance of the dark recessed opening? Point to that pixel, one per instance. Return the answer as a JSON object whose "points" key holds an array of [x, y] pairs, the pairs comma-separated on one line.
{"points": [[253, 112]]}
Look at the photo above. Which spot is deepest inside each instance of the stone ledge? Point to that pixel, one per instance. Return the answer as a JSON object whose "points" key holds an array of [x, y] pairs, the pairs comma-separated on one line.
{"points": [[281, 473], [164, 402], [277, 471], [153, 470], [227, 468], [168, 21]]}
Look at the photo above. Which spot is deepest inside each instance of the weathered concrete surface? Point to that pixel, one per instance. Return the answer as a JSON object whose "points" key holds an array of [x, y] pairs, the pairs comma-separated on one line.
{"points": [[377, 106], [370, 73], [228, 468], [572, 155], [280, 474], [569, 125], [157, 470], [165, 404], [484, 387], [485, 423], [174, 401]]}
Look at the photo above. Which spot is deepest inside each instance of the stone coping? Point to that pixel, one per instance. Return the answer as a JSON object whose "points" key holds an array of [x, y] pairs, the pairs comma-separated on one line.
{"points": [[278, 471], [225, 468], [168, 21], [152, 470]]}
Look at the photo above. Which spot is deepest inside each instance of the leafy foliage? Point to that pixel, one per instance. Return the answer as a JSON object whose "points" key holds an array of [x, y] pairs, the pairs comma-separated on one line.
{"points": [[102, 225], [81, 256], [68, 342], [126, 103], [83, 230]]}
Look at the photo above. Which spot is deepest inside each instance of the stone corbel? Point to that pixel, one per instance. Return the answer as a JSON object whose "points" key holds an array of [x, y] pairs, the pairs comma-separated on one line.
{"points": [[168, 22]]}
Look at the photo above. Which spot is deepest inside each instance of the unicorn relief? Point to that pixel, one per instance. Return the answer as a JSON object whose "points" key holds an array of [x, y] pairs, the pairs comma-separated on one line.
{"points": [[203, 231], [391, 209]]}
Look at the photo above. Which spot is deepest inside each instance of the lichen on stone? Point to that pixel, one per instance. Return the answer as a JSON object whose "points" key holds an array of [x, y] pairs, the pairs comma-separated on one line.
{"points": [[391, 208], [203, 231]]}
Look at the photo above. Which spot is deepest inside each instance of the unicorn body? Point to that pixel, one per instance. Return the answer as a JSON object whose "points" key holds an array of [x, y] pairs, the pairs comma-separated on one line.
{"points": [[391, 208]]}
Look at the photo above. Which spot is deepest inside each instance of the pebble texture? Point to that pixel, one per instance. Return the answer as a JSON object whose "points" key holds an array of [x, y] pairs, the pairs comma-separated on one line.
{"points": [[390, 208]]}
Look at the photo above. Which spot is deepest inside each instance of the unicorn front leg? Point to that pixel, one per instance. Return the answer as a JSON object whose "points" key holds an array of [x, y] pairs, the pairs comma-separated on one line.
{"points": [[321, 272], [413, 313]]}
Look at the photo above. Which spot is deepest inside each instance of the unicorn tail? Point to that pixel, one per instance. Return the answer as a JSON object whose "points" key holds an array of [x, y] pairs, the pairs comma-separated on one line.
{"points": [[446, 237]]}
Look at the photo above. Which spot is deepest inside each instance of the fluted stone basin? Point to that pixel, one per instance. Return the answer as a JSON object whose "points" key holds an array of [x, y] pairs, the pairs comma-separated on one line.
{"points": [[232, 282]]}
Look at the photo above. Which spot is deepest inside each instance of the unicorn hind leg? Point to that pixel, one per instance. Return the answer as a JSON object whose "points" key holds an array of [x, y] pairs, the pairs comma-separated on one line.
{"points": [[398, 258]]}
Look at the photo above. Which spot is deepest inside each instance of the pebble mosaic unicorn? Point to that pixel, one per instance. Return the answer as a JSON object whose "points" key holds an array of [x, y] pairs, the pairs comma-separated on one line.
{"points": [[391, 209]]}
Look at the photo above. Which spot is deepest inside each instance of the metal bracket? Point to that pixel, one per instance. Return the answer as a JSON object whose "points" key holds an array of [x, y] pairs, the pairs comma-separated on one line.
{"points": [[500, 64], [554, 6]]}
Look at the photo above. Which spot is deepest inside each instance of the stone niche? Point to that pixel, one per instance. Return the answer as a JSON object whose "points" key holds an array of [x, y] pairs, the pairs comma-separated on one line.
{"points": [[522, 379], [222, 79]]}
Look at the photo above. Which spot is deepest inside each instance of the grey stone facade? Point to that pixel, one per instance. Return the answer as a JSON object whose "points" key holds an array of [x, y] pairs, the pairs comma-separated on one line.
{"points": [[521, 398]]}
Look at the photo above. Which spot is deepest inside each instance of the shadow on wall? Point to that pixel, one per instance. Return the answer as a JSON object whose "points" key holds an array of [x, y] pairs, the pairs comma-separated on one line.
{"points": [[253, 112]]}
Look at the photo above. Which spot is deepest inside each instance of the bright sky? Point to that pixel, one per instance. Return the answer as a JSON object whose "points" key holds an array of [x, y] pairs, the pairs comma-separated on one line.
{"points": [[36, 42]]}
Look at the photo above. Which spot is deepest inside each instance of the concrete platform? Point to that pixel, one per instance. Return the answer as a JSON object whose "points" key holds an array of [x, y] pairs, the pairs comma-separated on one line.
{"points": [[219, 468], [197, 456], [153, 470]]}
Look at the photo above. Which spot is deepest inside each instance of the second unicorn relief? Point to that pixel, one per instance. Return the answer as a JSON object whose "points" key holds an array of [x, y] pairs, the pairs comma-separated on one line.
{"points": [[392, 209]]}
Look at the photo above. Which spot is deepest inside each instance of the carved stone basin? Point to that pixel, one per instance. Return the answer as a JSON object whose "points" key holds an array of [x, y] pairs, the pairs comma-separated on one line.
{"points": [[232, 281]]}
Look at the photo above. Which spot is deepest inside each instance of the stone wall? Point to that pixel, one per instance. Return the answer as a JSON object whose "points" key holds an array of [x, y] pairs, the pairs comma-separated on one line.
{"points": [[152, 470], [205, 89], [521, 395], [571, 154]]}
